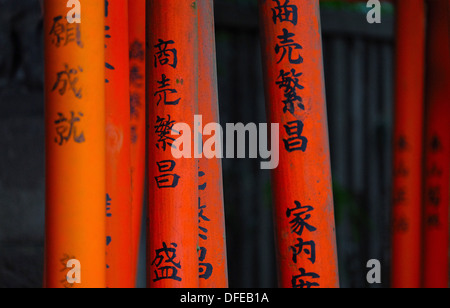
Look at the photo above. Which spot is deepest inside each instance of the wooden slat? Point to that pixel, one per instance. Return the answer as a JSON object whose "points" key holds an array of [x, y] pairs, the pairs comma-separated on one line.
{"points": [[387, 60], [339, 85], [375, 202], [358, 89]]}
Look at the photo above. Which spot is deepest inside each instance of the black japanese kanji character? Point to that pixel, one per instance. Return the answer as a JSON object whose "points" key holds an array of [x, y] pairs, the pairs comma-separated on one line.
{"points": [[63, 32], [434, 195], [168, 256], [296, 142], [300, 247], [166, 56], [136, 77], [287, 46], [285, 12], [202, 217], [66, 128], [164, 129], [298, 224], [201, 186], [435, 144], [205, 269], [164, 84], [137, 51], [289, 82], [67, 79], [298, 282], [167, 180], [135, 104]]}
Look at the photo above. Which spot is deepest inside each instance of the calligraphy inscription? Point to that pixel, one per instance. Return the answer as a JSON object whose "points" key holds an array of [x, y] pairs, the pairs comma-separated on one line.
{"points": [[288, 53], [167, 265]]}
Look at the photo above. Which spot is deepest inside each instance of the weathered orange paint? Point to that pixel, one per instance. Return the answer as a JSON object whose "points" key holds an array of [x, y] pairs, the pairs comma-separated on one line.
{"points": [[173, 210], [302, 181], [437, 176], [212, 243], [119, 256], [75, 160], [136, 30], [408, 144]]}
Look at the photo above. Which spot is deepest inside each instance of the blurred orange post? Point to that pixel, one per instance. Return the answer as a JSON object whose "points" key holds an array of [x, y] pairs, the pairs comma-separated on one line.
{"points": [[408, 147], [448, 10], [437, 177], [212, 253], [136, 23], [75, 145], [119, 256], [172, 82], [295, 94]]}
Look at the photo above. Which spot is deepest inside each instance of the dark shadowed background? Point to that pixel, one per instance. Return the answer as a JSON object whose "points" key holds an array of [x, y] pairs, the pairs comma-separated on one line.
{"points": [[359, 80]]}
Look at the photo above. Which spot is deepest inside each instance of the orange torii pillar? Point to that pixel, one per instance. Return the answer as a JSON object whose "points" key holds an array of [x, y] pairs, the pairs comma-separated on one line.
{"points": [[172, 83], [295, 94], [118, 173], [437, 176], [408, 144], [212, 253], [75, 145], [136, 23]]}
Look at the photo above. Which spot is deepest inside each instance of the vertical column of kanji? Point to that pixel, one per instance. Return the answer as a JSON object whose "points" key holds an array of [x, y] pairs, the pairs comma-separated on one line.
{"points": [[136, 22], [295, 94], [408, 146], [118, 172], [173, 186], [437, 176], [212, 253], [75, 144]]}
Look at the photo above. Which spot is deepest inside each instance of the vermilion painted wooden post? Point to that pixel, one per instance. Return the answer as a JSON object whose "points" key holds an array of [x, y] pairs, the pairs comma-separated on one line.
{"points": [[136, 22], [212, 253], [295, 94], [75, 144], [173, 183], [437, 176], [119, 254], [408, 149]]}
